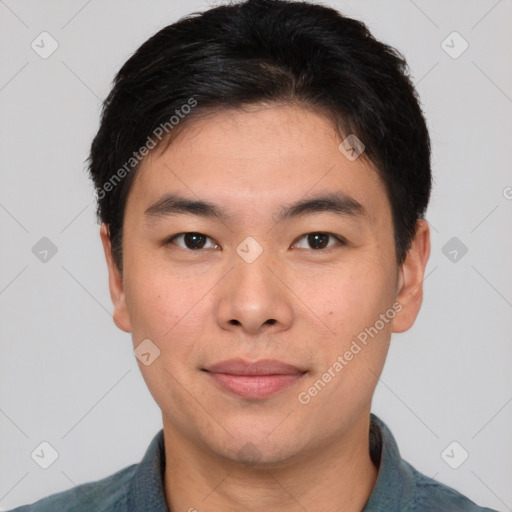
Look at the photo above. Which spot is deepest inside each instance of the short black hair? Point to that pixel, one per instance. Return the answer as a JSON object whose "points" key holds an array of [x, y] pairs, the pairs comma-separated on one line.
{"points": [[261, 51]]}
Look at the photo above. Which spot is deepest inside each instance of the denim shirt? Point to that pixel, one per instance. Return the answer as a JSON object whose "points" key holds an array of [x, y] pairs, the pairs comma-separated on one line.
{"points": [[139, 487]]}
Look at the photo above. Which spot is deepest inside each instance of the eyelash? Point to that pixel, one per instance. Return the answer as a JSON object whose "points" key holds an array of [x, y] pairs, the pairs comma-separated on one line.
{"points": [[341, 241]]}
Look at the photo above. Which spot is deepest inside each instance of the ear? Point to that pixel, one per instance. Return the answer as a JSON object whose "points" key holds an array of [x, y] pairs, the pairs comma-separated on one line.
{"points": [[115, 283], [410, 279]]}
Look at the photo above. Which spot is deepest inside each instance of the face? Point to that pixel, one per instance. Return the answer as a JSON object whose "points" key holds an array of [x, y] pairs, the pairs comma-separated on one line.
{"points": [[292, 259]]}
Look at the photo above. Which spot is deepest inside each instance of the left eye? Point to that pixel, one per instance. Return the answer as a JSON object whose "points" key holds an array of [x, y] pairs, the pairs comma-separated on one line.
{"points": [[319, 241]]}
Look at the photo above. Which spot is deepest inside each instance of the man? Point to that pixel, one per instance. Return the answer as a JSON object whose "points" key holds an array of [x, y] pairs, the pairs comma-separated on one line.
{"points": [[262, 173]]}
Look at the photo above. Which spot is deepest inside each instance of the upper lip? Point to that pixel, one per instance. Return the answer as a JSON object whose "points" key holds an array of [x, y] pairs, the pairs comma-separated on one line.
{"points": [[261, 367]]}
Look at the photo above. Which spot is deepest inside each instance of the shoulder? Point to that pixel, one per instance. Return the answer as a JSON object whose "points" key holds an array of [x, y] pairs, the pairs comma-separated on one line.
{"points": [[432, 495], [401, 487], [107, 495]]}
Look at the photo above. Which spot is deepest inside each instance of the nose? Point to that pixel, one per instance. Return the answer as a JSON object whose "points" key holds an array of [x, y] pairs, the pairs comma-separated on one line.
{"points": [[254, 297]]}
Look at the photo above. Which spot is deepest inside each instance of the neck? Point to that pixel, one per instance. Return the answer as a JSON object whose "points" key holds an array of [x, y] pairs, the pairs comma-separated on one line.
{"points": [[339, 475]]}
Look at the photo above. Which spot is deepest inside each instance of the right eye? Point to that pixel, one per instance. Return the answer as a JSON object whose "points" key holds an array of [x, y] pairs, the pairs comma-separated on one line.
{"points": [[192, 241]]}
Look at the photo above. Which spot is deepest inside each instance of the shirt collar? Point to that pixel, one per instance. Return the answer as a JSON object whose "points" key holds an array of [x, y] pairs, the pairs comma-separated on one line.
{"points": [[394, 486], [146, 490]]}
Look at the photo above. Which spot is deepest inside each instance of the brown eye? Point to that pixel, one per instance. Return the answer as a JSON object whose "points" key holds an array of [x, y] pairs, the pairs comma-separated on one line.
{"points": [[319, 241], [192, 241]]}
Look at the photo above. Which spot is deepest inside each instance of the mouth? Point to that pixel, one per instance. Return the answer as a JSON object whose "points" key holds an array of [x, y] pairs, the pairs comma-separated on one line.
{"points": [[254, 380]]}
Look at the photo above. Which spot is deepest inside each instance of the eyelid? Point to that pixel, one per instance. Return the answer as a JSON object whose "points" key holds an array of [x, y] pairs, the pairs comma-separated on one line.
{"points": [[170, 240], [339, 239]]}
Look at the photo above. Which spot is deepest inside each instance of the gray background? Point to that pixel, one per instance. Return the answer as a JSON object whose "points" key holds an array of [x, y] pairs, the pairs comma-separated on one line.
{"points": [[68, 375]]}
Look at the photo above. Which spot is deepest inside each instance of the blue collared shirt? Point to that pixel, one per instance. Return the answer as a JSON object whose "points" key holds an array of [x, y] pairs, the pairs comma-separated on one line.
{"points": [[139, 487]]}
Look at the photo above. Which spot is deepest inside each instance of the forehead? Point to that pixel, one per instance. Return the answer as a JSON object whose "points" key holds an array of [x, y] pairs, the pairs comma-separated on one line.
{"points": [[258, 160]]}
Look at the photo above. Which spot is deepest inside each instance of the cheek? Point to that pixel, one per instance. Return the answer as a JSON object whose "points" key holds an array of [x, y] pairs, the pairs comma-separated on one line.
{"points": [[154, 301], [356, 353], [167, 309], [357, 297]]}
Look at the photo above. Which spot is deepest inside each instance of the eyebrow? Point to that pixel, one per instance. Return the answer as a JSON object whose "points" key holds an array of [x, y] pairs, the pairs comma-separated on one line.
{"points": [[334, 202]]}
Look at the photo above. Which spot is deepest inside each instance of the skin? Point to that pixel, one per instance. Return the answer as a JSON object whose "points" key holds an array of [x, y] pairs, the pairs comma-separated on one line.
{"points": [[295, 303]]}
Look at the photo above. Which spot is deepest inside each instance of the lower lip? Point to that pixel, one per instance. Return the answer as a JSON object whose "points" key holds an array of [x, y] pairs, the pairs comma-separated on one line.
{"points": [[255, 386]]}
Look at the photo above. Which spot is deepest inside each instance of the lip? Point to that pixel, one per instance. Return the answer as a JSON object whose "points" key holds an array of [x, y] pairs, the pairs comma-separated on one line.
{"points": [[261, 367], [254, 380]]}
